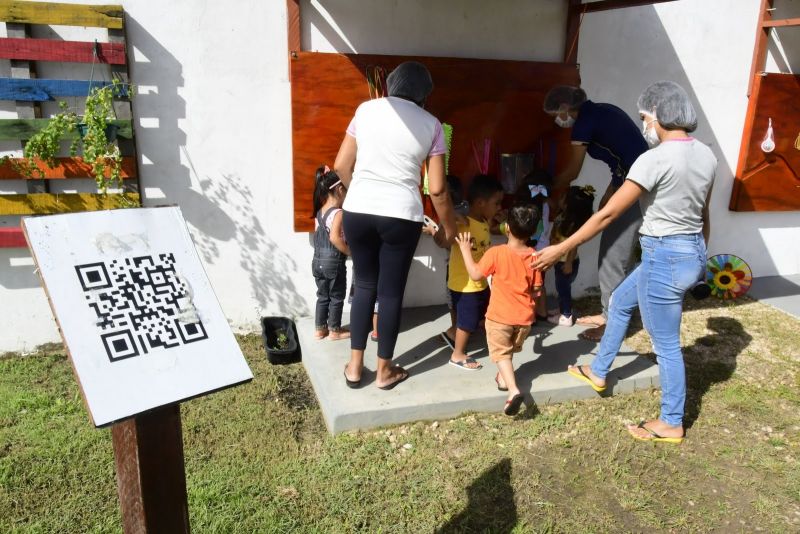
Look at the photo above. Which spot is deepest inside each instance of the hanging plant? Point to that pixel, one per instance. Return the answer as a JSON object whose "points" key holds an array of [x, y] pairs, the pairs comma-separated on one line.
{"points": [[95, 137]]}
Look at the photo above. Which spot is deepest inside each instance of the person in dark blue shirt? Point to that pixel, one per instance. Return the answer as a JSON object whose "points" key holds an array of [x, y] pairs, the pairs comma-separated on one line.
{"points": [[608, 134]]}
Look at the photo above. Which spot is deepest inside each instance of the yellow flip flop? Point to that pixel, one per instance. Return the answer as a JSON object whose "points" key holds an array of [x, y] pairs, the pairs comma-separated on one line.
{"points": [[653, 436], [580, 375]]}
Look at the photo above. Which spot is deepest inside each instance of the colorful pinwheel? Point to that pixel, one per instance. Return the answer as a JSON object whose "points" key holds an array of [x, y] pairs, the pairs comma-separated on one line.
{"points": [[728, 276]]}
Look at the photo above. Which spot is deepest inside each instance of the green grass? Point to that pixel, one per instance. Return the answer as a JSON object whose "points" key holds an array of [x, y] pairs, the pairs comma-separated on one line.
{"points": [[258, 457]]}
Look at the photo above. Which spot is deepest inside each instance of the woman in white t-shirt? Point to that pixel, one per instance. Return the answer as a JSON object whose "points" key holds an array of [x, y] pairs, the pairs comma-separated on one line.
{"points": [[380, 162], [672, 183]]}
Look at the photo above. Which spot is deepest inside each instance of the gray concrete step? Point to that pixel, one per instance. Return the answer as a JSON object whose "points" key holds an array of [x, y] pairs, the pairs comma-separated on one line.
{"points": [[437, 390]]}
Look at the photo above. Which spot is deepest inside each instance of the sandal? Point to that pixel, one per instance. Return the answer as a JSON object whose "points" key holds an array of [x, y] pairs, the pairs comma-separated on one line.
{"points": [[513, 404], [591, 320], [593, 334], [403, 378], [464, 364], [653, 436], [352, 384], [339, 333], [581, 375], [320, 333], [497, 381]]}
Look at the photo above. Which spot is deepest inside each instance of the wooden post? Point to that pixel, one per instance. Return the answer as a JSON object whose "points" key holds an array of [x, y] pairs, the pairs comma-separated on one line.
{"points": [[151, 481]]}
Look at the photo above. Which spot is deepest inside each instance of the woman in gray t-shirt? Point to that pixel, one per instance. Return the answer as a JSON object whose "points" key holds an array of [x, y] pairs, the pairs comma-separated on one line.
{"points": [[672, 183]]}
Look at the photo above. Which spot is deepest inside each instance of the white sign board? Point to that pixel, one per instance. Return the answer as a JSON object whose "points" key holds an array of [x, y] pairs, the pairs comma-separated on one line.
{"points": [[136, 310]]}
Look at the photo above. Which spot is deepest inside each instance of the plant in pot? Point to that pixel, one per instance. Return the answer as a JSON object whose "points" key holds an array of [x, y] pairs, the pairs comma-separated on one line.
{"points": [[95, 136]]}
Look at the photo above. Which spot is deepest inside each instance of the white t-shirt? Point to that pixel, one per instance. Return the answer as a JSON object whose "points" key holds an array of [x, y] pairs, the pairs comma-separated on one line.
{"points": [[677, 175], [394, 138]]}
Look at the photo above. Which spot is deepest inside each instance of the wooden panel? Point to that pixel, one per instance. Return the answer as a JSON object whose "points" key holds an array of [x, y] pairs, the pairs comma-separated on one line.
{"points": [[42, 90], [293, 24], [66, 168], [49, 203], [770, 181], [11, 129], [12, 238], [70, 51], [99, 16], [501, 100]]}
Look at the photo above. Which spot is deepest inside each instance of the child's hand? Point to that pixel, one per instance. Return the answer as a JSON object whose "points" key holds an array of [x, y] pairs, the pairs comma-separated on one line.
{"points": [[464, 242], [429, 229], [567, 268]]}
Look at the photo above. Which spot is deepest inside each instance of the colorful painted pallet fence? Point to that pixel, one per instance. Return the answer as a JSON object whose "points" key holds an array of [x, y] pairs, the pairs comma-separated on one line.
{"points": [[106, 16], [19, 129], [29, 92], [48, 203], [63, 51], [41, 90], [65, 168]]}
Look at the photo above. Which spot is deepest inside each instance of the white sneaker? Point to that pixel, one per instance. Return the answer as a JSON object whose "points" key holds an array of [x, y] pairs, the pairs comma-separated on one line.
{"points": [[561, 320]]}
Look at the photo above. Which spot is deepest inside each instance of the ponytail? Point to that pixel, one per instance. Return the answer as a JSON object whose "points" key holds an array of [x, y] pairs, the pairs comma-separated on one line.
{"points": [[324, 181]]}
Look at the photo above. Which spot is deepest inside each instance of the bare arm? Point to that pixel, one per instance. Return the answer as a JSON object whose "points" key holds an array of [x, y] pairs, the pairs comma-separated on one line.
{"points": [[616, 206], [437, 188], [707, 217], [336, 234], [346, 159], [565, 177], [465, 245]]}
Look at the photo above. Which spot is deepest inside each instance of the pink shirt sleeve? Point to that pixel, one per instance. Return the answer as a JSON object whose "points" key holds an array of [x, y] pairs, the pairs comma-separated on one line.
{"points": [[351, 128], [438, 147]]}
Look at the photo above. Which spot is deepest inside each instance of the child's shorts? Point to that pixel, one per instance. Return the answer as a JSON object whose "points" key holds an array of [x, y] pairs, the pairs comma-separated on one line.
{"points": [[504, 340], [470, 308]]}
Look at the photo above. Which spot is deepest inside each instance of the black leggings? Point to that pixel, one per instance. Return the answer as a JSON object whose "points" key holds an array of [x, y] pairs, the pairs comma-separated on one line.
{"points": [[382, 250]]}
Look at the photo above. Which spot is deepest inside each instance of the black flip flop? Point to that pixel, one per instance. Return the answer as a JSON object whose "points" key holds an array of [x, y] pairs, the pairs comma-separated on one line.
{"points": [[393, 384], [352, 384], [512, 406]]}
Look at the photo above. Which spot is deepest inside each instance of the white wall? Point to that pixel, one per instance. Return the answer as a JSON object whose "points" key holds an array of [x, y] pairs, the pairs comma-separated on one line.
{"points": [[214, 126], [707, 47]]}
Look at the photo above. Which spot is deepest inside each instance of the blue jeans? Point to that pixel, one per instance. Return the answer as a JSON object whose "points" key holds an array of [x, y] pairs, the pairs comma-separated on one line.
{"points": [[670, 266], [564, 285]]}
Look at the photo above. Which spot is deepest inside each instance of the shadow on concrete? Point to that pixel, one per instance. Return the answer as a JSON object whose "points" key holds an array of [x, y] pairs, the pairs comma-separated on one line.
{"points": [[490, 504]]}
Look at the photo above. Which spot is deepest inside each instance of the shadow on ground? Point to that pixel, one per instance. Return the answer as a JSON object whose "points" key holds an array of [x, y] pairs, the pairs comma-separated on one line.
{"points": [[490, 504]]}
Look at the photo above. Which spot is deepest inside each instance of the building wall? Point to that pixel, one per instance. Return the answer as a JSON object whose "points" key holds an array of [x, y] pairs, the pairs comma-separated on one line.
{"points": [[214, 127]]}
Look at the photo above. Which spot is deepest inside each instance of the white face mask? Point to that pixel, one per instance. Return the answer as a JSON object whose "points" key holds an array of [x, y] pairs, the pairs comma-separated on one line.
{"points": [[565, 123], [650, 134]]}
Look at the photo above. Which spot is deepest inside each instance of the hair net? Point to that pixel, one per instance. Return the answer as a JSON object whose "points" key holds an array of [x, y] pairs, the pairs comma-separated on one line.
{"points": [[410, 80], [564, 95], [672, 106]]}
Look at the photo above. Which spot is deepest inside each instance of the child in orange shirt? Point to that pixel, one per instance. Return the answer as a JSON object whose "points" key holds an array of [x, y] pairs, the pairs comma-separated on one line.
{"points": [[515, 286]]}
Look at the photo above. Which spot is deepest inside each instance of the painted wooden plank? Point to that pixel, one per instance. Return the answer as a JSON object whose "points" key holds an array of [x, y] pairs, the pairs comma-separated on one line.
{"points": [[12, 129], [99, 16], [42, 90], [67, 51], [12, 238], [66, 168], [47, 203]]}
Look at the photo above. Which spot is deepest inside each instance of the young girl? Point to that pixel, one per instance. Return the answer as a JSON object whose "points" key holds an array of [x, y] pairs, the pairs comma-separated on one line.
{"points": [[330, 253], [576, 208]]}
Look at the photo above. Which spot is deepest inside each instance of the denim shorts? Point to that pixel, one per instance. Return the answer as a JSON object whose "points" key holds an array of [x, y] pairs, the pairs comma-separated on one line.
{"points": [[470, 308]]}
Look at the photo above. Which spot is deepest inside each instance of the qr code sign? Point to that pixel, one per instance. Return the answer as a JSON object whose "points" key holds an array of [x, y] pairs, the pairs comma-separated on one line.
{"points": [[141, 304]]}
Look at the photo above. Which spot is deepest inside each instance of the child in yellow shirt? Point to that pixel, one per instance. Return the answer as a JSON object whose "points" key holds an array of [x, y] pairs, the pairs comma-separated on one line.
{"points": [[470, 298]]}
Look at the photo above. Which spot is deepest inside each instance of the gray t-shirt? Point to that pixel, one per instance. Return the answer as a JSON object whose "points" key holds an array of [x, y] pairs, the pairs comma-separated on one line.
{"points": [[677, 176]]}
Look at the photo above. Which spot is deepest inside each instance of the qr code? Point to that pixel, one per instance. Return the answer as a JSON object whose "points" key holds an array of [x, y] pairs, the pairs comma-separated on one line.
{"points": [[141, 304]]}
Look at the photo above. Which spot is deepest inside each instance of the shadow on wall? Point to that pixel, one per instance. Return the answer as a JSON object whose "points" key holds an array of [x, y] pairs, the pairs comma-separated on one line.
{"points": [[219, 208], [609, 34]]}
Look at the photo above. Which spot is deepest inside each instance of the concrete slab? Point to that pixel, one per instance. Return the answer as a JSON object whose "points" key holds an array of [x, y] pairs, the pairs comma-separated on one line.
{"points": [[782, 292], [437, 390]]}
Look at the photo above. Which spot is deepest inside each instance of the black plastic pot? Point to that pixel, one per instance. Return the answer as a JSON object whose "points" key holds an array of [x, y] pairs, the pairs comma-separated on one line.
{"points": [[270, 328]]}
